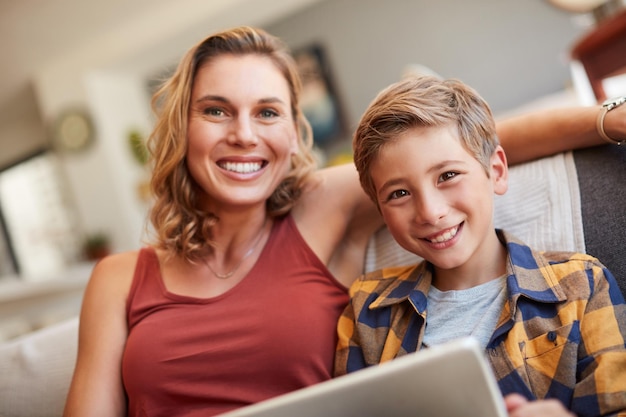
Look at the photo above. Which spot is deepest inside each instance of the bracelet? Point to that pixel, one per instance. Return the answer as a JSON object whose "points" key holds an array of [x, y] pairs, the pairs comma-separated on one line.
{"points": [[607, 106]]}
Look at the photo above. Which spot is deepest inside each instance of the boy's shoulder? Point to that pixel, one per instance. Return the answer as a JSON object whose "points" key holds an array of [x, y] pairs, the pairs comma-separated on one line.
{"points": [[568, 256], [391, 272], [564, 273], [396, 281], [522, 254], [569, 264]]}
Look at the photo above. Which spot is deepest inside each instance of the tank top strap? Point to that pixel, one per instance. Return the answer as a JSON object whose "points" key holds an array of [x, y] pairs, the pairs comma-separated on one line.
{"points": [[147, 285]]}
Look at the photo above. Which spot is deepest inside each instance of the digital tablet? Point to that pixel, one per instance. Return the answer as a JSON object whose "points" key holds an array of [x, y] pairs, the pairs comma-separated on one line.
{"points": [[449, 380]]}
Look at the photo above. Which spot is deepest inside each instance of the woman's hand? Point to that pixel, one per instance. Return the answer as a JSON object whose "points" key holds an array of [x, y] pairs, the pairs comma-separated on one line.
{"points": [[518, 406]]}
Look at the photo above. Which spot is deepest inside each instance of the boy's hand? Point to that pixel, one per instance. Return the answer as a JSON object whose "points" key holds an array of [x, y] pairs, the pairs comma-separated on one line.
{"points": [[518, 406]]}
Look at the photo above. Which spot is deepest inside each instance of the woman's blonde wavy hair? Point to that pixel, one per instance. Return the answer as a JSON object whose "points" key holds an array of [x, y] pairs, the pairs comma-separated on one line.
{"points": [[179, 226]]}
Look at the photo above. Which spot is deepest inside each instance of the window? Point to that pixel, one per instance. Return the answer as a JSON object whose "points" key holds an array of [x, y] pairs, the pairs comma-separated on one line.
{"points": [[39, 233]]}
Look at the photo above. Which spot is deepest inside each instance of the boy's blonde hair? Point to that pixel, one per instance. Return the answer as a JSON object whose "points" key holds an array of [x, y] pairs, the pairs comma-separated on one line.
{"points": [[423, 101]]}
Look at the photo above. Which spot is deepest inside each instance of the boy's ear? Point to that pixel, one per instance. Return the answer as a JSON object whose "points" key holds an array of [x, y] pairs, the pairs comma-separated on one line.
{"points": [[499, 171]]}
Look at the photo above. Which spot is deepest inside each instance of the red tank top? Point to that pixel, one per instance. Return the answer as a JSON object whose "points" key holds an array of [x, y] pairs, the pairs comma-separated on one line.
{"points": [[273, 333]]}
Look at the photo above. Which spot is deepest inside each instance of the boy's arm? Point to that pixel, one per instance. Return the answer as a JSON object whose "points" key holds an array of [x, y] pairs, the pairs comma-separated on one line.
{"points": [[349, 355], [601, 385], [364, 335]]}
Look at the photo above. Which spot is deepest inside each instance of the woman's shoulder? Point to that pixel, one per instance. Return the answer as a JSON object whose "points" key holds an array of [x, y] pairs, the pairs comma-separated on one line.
{"points": [[114, 272], [117, 261]]}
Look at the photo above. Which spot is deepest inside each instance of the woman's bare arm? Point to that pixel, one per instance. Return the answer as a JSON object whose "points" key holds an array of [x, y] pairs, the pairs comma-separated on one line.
{"points": [[96, 388], [546, 132], [336, 218]]}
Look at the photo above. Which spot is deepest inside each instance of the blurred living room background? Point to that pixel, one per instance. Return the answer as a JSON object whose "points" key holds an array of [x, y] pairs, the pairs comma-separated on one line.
{"points": [[77, 76]]}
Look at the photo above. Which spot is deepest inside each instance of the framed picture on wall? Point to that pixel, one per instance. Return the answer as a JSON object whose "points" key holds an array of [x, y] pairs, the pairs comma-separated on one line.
{"points": [[319, 100]]}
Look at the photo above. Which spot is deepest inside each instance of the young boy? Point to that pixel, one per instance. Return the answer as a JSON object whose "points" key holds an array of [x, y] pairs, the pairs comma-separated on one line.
{"points": [[553, 325]]}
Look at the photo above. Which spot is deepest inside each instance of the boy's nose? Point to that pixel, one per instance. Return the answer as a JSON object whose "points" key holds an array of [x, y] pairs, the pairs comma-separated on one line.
{"points": [[430, 209]]}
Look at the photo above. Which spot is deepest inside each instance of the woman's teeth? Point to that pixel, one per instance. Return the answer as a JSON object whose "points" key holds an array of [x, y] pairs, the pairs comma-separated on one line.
{"points": [[241, 167]]}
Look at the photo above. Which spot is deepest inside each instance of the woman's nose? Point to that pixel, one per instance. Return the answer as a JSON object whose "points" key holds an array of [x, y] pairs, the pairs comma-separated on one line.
{"points": [[242, 132]]}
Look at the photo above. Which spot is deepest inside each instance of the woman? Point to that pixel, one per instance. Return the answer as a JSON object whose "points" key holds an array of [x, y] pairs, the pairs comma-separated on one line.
{"points": [[236, 298]]}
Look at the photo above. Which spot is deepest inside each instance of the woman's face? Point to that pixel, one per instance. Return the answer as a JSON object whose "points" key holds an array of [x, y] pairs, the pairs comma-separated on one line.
{"points": [[241, 131]]}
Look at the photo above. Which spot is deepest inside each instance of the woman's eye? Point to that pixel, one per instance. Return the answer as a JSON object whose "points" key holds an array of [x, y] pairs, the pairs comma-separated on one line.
{"points": [[397, 194], [447, 176], [268, 113], [213, 111]]}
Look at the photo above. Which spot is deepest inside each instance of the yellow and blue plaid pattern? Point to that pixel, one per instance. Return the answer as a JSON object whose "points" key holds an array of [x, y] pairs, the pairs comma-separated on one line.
{"points": [[560, 335]]}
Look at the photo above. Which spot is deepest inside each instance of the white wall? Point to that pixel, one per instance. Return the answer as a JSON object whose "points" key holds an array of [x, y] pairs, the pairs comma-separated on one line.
{"points": [[510, 51]]}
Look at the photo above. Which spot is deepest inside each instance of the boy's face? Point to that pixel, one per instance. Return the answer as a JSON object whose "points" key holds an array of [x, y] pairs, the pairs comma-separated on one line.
{"points": [[437, 199]]}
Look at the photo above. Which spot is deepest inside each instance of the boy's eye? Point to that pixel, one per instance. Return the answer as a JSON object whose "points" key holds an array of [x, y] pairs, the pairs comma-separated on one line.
{"points": [[447, 176], [397, 194]]}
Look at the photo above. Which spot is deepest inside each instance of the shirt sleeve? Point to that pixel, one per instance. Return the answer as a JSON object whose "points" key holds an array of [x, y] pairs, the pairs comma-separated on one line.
{"points": [[349, 355], [601, 385]]}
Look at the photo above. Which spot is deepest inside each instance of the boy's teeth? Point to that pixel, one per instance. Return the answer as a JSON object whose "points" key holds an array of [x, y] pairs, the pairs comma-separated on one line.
{"points": [[242, 167], [446, 236]]}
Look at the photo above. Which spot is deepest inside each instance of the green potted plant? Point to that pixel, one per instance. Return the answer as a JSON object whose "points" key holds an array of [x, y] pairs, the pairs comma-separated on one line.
{"points": [[97, 246]]}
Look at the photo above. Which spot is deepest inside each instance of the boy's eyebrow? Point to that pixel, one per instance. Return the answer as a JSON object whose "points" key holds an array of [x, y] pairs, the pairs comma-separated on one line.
{"points": [[390, 183], [441, 165]]}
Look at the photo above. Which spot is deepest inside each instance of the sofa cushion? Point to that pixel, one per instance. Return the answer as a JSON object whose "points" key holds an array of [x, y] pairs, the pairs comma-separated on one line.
{"points": [[36, 370], [602, 182]]}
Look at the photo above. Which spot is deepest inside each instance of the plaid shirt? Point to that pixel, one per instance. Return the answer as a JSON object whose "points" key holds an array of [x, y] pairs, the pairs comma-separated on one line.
{"points": [[561, 333]]}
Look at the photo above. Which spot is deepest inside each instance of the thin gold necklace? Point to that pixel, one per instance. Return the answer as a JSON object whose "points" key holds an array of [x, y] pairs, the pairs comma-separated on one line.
{"points": [[243, 258]]}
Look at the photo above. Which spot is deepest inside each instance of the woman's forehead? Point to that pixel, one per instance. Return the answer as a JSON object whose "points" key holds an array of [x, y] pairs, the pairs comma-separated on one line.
{"points": [[252, 73]]}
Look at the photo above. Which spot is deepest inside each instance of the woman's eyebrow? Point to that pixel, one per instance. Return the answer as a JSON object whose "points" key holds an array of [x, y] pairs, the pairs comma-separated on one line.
{"points": [[210, 97]]}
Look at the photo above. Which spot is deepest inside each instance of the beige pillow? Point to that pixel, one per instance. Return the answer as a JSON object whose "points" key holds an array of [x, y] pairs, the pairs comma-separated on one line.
{"points": [[36, 370]]}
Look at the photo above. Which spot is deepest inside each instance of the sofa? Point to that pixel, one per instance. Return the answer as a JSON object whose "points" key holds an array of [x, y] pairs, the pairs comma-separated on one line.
{"points": [[573, 200]]}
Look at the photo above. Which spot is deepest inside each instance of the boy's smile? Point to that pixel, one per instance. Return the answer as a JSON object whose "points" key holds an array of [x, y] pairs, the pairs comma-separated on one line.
{"points": [[445, 236], [437, 201]]}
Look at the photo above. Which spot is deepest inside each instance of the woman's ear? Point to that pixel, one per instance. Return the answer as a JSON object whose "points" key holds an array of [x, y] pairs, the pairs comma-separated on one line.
{"points": [[294, 145], [295, 141], [499, 171]]}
